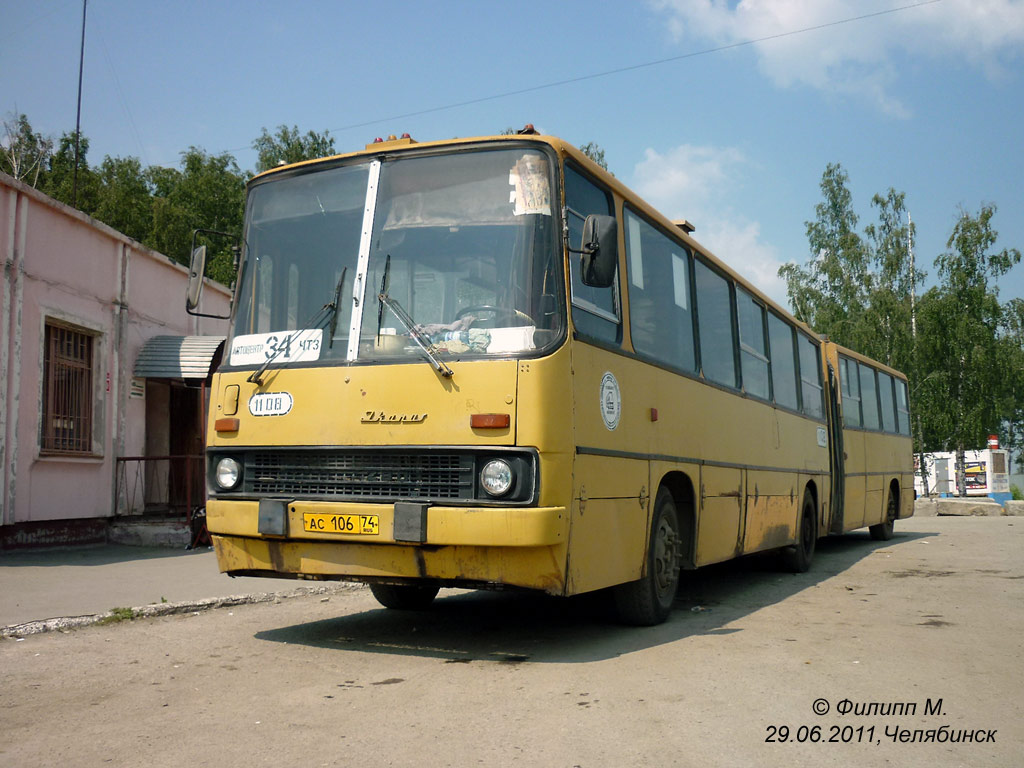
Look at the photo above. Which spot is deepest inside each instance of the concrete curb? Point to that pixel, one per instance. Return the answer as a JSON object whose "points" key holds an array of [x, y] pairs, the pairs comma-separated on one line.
{"points": [[67, 623]]}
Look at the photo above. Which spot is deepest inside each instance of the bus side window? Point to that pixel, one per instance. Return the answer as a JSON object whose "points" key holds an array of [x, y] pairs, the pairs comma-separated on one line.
{"points": [[660, 318], [851, 392], [714, 326], [595, 311], [812, 392], [783, 361], [868, 396], [902, 407], [753, 345], [885, 390]]}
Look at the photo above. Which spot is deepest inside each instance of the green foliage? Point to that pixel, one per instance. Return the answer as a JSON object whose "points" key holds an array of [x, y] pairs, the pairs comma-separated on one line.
{"points": [[965, 343], [288, 146], [830, 293], [124, 200], [23, 153], [117, 615], [592, 150], [966, 362], [59, 179], [1016, 493]]}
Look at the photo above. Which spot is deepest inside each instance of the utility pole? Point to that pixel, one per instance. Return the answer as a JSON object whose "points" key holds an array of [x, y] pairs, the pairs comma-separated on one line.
{"points": [[78, 114], [915, 357]]}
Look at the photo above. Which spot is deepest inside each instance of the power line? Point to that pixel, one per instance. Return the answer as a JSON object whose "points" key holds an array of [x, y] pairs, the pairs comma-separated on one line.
{"points": [[630, 68], [633, 67]]}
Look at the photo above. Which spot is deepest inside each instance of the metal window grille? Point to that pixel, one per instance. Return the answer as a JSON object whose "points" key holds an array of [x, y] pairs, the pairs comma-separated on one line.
{"points": [[67, 400]]}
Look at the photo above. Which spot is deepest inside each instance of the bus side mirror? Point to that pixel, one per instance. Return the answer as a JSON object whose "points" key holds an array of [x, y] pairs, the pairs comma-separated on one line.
{"points": [[600, 252], [195, 278], [197, 268]]}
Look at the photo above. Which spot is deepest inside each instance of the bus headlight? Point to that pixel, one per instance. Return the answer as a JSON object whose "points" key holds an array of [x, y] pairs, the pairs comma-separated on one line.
{"points": [[497, 477], [228, 473]]}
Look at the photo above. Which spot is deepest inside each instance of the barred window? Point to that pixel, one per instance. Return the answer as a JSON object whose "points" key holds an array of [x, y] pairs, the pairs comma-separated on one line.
{"points": [[67, 391]]}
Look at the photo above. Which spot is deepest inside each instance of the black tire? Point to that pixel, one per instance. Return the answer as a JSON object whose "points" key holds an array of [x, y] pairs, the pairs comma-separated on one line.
{"points": [[797, 558], [404, 597], [648, 601], [883, 531]]}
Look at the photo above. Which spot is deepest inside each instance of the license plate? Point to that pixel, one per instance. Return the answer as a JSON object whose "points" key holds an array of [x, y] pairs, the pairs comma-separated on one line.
{"points": [[354, 525]]}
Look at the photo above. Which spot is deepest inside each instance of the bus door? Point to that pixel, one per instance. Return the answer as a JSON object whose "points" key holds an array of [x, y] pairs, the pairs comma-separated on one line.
{"points": [[836, 458]]}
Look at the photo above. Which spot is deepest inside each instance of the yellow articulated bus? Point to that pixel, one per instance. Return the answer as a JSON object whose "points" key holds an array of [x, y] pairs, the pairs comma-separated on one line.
{"points": [[486, 363]]}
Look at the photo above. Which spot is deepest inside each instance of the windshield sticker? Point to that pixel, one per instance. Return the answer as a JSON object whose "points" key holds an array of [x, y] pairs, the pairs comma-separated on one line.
{"points": [[532, 193], [611, 401], [270, 404], [284, 346]]}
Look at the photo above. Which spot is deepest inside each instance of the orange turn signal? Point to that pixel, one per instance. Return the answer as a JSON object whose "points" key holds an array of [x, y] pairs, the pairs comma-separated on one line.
{"points": [[490, 420], [226, 425]]}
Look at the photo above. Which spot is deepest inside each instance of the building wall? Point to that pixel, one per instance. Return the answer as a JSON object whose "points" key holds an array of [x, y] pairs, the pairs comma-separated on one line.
{"points": [[62, 266]]}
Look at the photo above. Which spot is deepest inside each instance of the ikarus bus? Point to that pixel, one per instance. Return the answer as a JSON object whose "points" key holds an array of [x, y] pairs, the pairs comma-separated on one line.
{"points": [[486, 363]]}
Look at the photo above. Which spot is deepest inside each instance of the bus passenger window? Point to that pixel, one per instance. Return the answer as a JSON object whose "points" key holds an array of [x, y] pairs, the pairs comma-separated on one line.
{"points": [[885, 390], [714, 324], [595, 311], [850, 385], [661, 323], [753, 348], [902, 408], [810, 377], [783, 361], [868, 397]]}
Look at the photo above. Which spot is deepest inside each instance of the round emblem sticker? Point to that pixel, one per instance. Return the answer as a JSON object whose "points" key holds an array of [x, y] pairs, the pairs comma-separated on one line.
{"points": [[611, 401]]}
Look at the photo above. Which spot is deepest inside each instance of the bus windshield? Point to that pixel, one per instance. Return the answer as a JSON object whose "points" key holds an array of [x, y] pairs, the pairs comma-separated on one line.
{"points": [[464, 247]]}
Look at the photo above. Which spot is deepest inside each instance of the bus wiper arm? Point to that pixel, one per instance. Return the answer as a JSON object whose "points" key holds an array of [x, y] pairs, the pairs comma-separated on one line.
{"points": [[410, 325], [334, 308], [316, 320]]}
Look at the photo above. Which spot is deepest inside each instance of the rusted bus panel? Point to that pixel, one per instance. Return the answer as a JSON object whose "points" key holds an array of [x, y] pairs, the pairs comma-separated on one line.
{"points": [[720, 519], [609, 529], [855, 480], [540, 568], [773, 505]]}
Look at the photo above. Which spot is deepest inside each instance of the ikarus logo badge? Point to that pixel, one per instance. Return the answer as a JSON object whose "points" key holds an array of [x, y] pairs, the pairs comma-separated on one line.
{"points": [[611, 401], [270, 404]]}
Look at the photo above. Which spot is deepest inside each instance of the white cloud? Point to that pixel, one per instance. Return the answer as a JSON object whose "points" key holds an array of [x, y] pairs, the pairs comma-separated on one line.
{"points": [[694, 183], [858, 57]]}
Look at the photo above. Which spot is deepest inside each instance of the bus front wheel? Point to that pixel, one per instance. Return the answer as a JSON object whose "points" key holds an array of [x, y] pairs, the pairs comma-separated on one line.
{"points": [[648, 600], [404, 597], [797, 558]]}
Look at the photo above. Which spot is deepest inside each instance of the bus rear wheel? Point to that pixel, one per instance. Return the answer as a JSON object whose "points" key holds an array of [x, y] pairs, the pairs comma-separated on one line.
{"points": [[648, 600], [797, 558], [404, 597], [883, 531]]}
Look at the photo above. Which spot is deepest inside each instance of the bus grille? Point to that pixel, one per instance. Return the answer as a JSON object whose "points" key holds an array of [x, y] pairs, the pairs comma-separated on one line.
{"points": [[360, 475]]}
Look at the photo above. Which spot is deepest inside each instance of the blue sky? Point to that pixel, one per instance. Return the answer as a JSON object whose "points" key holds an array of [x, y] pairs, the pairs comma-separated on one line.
{"points": [[928, 100]]}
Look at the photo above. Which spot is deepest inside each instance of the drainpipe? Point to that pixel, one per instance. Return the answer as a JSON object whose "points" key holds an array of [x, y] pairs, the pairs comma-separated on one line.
{"points": [[12, 347], [5, 333], [118, 385]]}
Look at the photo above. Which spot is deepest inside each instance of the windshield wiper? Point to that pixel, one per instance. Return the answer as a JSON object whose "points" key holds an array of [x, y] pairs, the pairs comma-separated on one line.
{"points": [[316, 320], [334, 308], [410, 325]]}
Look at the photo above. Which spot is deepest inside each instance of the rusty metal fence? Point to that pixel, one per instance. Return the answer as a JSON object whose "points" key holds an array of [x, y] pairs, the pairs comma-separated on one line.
{"points": [[173, 485]]}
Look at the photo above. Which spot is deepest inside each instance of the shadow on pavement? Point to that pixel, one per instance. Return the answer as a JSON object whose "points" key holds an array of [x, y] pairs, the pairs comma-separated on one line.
{"points": [[515, 627], [101, 554]]}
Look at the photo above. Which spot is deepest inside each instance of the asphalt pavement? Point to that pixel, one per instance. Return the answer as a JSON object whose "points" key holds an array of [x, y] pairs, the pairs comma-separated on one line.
{"points": [[36, 585]]}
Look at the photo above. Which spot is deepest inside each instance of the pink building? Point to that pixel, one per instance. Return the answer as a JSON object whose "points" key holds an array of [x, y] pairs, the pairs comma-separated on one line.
{"points": [[98, 362]]}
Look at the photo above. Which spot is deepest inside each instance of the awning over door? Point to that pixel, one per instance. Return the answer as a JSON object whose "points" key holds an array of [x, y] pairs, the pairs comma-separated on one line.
{"points": [[177, 357]]}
